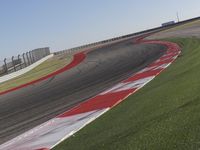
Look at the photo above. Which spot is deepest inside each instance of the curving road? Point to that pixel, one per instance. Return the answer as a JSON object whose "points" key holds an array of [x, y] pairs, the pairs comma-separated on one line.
{"points": [[23, 109]]}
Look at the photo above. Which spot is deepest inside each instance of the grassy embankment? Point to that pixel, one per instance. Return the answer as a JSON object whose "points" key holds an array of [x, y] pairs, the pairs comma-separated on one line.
{"points": [[165, 114], [45, 68]]}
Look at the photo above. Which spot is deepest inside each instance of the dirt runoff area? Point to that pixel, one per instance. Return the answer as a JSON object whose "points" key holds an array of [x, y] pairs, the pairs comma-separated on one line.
{"points": [[191, 29]]}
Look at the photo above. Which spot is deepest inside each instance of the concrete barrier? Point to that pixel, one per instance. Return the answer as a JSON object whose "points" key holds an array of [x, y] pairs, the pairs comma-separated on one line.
{"points": [[24, 70]]}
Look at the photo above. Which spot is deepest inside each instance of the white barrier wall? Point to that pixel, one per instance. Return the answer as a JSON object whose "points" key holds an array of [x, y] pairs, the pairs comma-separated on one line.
{"points": [[24, 70]]}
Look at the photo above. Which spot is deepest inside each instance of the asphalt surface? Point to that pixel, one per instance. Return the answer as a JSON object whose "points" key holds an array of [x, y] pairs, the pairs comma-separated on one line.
{"points": [[23, 109]]}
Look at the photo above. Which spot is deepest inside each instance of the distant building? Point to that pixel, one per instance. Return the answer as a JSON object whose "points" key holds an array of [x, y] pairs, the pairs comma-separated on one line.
{"points": [[168, 23]]}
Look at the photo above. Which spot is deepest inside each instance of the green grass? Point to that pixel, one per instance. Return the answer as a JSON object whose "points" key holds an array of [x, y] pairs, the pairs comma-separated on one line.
{"points": [[164, 115], [182, 27], [44, 69]]}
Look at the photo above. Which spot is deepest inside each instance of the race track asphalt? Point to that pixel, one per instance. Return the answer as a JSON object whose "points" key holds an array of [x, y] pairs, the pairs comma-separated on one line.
{"points": [[25, 108]]}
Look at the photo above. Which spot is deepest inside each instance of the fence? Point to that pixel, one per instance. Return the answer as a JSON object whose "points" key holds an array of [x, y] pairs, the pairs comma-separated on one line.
{"points": [[15, 63], [148, 31]]}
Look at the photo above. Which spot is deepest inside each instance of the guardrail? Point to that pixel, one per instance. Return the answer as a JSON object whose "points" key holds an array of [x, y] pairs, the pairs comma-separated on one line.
{"points": [[145, 32]]}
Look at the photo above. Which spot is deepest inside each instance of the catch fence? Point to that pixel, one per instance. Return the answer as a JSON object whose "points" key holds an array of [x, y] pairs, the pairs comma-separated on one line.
{"points": [[15, 63]]}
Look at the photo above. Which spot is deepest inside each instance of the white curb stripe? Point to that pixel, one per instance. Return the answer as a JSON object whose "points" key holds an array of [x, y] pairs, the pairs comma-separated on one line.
{"points": [[51, 132]]}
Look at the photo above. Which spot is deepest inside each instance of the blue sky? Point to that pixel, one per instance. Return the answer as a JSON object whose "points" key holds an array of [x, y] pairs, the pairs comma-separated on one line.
{"points": [[61, 24]]}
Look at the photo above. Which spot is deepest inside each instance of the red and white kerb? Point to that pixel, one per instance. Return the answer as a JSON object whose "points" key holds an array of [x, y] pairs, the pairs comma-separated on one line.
{"points": [[51, 133]]}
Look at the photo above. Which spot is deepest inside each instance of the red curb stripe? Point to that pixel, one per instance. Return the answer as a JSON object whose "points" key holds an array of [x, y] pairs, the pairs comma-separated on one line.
{"points": [[161, 62], [78, 58], [110, 99], [143, 75], [103, 102], [167, 57], [98, 102]]}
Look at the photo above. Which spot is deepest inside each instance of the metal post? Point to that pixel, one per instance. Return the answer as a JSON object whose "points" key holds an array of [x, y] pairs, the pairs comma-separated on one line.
{"points": [[13, 63], [23, 55], [20, 61], [33, 58], [5, 66], [27, 58], [31, 61], [177, 17]]}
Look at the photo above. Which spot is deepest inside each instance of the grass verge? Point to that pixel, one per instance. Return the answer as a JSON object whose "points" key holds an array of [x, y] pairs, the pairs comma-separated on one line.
{"points": [[184, 26], [164, 115], [43, 69]]}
